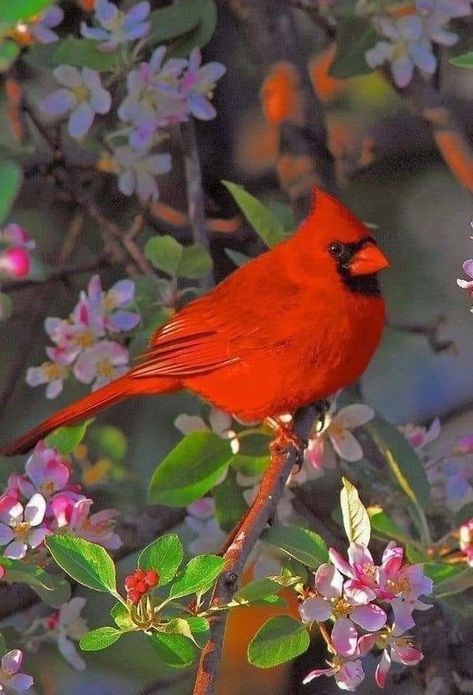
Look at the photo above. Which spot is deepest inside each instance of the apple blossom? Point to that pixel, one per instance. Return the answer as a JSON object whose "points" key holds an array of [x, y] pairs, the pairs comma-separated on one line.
{"points": [[9, 672], [117, 27], [20, 526]]}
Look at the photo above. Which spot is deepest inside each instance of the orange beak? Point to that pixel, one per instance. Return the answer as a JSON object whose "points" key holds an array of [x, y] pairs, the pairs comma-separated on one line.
{"points": [[368, 260]]}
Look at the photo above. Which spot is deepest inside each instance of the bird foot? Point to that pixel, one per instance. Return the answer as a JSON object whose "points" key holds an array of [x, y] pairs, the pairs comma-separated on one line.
{"points": [[322, 409], [285, 436]]}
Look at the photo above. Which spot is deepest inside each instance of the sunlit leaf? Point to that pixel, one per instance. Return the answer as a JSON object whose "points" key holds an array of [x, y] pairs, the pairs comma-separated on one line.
{"points": [[98, 639], [356, 521], [86, 562], [10, 183], [264, 222], [279, 640], [164, 555], [198, 576], [66, 439], [302, 544]]}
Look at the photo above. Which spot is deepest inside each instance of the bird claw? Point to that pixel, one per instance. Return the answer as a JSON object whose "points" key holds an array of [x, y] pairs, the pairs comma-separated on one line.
{"points": [[322, 409]]}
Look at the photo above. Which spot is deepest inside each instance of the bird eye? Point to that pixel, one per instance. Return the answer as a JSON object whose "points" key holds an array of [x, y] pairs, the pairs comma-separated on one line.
{"points": [[336, 249]]}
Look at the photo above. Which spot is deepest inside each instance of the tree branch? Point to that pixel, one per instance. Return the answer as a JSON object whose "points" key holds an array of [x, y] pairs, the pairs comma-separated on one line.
{"points": [[248, 531]]}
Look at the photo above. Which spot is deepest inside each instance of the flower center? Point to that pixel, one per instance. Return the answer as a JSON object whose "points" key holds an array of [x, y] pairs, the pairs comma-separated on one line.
{"points": [[52, 371], [86, 339], [47, 488], [104, 368], [341, 608], [398, 586], [22, 529], [81, 92]]}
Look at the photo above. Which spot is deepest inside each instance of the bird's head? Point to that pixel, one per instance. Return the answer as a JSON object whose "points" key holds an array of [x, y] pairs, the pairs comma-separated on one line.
{"points": [[341, 242]]}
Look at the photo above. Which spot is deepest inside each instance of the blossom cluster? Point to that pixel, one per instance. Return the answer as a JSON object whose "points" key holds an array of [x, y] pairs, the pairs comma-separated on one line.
{"points": [[409, 36], [159, 94], [43, 500], [84, 343], [467, 284], [39, 28], [369, 606], [15, 248]]}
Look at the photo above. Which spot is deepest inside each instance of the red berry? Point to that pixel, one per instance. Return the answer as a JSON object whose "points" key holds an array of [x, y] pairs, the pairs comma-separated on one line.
{"points": [[130, 582], [142, 587], [139, 575], [134, 597], [151, 578]]}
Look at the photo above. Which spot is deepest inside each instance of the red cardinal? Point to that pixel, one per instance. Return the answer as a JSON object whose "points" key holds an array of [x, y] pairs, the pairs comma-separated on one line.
{"points": [[288, 328]]}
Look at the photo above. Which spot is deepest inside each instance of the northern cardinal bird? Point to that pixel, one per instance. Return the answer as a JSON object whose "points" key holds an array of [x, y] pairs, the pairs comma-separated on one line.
{"points": [[288, 328]]}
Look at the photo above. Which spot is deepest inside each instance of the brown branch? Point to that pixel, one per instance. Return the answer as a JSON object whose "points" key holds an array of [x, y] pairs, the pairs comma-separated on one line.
{"points": [[249, 530], [60, 275], [195, 192]]}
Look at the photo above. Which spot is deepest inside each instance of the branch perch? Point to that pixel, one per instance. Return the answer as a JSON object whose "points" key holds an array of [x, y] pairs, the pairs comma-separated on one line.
{"points": [[263, 508]]}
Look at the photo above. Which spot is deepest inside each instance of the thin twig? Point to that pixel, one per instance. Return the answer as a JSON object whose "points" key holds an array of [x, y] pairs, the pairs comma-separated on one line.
{"points": [[269, 494], [195, 192], [59, 275]]}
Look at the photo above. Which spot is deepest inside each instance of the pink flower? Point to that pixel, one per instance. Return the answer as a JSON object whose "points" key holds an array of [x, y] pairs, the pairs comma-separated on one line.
{"points": [[361, 570], [97, 528], [201, 519], [464, 445], [198, 85], [419, 437], [101, 364], [68, 626], [17, 525], [345, 609], [15, 262], [338, 428], [400, 650], [348, 671], [467, 284], [401, 585], [9, 676], [49, 373], [466, 540], [220, 423], [14, 235], [48, 472]]}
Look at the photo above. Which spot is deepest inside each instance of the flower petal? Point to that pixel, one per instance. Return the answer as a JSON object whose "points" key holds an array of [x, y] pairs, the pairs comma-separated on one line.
{"points": [[20, 681], [58, 103], [315, 609], [35, 510], [80, 120], [370, 617], [16, 550], [69, 652], [353, 415], [382, 669], [319, 672], [329, 581], [344, 637], [12, 661]]}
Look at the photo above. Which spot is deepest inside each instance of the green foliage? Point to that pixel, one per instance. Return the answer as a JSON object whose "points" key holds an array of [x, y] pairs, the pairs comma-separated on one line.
{"points": [[10, 183], [66, 439], [201, 35], [230, 504], [455, 584], [441, 571], [463, 61], [5, 306], [9, 52], [83, 53], [61, 592], [279, 640], [190, 470], [14, 10], [200, 629], [260, 589], [264, 222], [356, 521], [174, 259], [464, 514], [198, 576], [175, 20], [173, 650], [383, 524], [164, 555], [355, 36], [17, 571], [108, 441], [302, 544], [87, 563], [237, 258], [121, 616], [404, 464], [101, 638]]}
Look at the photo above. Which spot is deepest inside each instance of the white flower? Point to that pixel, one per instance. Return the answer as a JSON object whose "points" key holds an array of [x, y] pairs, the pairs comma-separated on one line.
{"points": [[17, 526], [338, 429], [71, 627], [201, 520], [220, 423]]}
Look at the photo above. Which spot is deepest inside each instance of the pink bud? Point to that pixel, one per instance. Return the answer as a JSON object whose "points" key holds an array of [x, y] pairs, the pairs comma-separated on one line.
{"points": [[15, 262], [17, 236], [464, 445]]}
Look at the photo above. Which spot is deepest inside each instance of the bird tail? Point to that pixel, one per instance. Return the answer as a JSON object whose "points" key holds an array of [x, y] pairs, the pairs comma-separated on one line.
{"points": [[112, 393]]}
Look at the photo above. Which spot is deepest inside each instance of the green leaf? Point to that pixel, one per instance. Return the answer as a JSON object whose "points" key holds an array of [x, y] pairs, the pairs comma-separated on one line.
{"points": [[121, 616], [165, 253], [173, 21], [383, 524], [250, 465], [356, 521], [237, 258], [198, 576], [201, 35], [41, 55], [440, 571], [175, 651], [108, 442], [190, 470], [404, 464], [267, 226], [164, 555], [355, 36], [9, 52], [5, 306], [83, 53], [262, 588], [10, 183], [200, 629], [300, 543], [14, 10], [17, 571], [463, 61], [66, 439], [98, 639], [230, 505], [60, 594], [279, 640], [86, 562], [195, 263], [454, 585]]}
